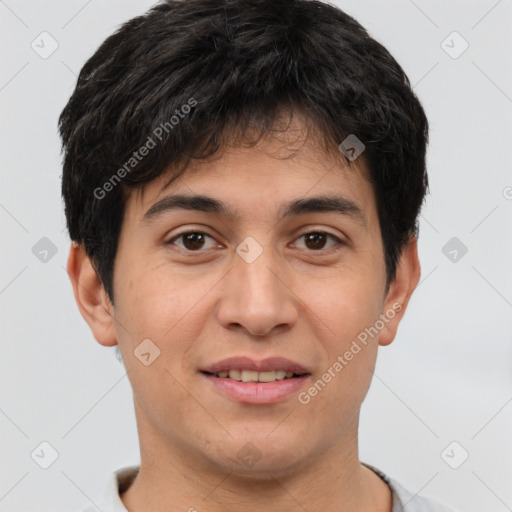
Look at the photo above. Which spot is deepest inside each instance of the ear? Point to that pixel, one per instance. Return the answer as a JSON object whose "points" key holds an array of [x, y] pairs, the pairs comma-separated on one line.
{"points": [[90, 296], [400, 291]]}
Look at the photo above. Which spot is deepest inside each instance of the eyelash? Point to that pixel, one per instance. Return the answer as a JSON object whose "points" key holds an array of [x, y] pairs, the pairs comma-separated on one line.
{"points": [[338, 241]]}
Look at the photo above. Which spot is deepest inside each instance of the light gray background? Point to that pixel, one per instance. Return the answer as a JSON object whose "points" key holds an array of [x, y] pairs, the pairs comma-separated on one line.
{"points": [[448, 375]]}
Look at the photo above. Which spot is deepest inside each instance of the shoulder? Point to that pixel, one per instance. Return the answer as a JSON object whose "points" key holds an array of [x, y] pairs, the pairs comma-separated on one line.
{"points": [[116, 483], [406, 501]]}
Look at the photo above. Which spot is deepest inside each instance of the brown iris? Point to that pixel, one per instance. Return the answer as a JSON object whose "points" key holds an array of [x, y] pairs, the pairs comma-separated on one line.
{"points": [[193, 241], [315, 240]]}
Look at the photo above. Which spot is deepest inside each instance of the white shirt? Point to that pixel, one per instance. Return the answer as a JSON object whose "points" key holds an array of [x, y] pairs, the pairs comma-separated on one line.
{"points": [[120, 480]]}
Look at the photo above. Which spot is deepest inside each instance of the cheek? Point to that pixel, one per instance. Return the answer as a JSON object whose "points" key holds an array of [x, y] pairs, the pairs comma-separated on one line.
{"points": [[345, 304], [345, 309], [150, 299], [155, 307], [344, 379], [165, 307]]}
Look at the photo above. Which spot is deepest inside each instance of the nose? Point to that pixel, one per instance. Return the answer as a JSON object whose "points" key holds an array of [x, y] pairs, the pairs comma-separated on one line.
{"points": [[257, 298]]}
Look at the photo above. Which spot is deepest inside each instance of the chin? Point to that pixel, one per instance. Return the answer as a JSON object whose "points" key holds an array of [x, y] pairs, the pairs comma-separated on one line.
{"points": [[260, 458]]}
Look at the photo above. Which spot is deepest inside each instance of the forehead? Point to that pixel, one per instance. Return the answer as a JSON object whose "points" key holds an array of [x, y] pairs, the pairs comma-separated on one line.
{"points": [[268, 179]]}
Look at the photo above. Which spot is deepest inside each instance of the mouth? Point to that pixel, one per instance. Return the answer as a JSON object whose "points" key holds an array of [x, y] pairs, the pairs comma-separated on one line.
{"points": [[245, 380], [254, 376]]}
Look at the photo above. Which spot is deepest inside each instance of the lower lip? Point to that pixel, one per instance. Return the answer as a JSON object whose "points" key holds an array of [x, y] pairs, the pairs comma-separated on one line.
{"points": [[258, 392]]}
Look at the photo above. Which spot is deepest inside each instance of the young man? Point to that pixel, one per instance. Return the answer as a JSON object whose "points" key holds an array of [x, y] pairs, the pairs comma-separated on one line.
{"points": [[242, 181]]}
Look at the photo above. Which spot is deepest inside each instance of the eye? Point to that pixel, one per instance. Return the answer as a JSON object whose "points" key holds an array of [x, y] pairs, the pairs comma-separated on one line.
{"points": [[316, 240], [192, 240]]}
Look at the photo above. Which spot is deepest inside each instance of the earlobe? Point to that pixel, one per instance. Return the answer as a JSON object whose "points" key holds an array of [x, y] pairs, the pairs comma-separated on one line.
{"points": [[406, 279], [90, 296]]}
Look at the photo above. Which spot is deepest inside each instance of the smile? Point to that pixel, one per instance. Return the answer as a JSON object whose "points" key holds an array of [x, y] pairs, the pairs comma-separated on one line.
{"points": [[253, 376]]}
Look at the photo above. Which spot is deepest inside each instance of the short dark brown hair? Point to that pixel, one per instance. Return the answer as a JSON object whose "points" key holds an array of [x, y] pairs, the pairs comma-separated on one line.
{"points": [[196, 71]]}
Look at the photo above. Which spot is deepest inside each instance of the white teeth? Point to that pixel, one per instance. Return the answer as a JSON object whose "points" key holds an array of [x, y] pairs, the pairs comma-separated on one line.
{"points": [[249, 376], [266, 376], [235, 374], [253, 376]]}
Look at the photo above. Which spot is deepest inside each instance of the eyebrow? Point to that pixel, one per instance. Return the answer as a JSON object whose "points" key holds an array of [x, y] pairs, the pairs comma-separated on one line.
{"points": [[201, 203]]}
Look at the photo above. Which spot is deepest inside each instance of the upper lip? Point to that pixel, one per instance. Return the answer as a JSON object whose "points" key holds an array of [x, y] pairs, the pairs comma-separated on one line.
{"points": [[246, 363]]}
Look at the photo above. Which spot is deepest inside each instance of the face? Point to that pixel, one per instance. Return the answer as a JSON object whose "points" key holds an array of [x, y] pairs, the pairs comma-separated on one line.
{"points": [[279, 269]]}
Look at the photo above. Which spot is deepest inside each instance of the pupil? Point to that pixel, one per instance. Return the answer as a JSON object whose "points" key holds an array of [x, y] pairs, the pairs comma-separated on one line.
{"points": [[193, 240], [317, 239]]}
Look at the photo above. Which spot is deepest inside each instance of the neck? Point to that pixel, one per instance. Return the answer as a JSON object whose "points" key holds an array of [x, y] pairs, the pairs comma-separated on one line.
{"points": [[173, 479]]}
